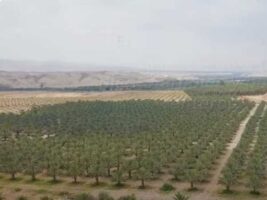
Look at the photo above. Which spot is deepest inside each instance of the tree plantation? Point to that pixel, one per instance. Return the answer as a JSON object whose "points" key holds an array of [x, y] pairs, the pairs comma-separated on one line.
{"points": [[17, 101], [121, 140], [118, 143]]}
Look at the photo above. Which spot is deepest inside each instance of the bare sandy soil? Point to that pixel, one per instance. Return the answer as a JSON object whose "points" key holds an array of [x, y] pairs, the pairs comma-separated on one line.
{"points": [[255, 98]]}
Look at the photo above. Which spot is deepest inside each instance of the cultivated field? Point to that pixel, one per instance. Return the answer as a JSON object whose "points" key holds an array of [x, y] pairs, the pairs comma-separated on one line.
{"points": [[208, 150], [133, 147], [22, 101]]}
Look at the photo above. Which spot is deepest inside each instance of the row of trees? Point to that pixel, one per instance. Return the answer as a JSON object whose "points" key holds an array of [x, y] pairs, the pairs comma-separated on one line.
{"points": [[120, 140], [253, 87], [256, 169], [234, 169]]}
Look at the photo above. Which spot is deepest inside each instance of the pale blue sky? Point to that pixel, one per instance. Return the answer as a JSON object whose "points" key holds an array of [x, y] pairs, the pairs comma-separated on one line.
{"points": [[145, 34]]}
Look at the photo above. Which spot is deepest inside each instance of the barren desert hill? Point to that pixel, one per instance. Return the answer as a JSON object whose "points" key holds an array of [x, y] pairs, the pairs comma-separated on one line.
{"points": [[71, 79], [45, 75], [38, 74]]}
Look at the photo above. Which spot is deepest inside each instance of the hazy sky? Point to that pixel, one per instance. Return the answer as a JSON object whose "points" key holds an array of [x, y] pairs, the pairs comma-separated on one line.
{"points": [[150, 34]]}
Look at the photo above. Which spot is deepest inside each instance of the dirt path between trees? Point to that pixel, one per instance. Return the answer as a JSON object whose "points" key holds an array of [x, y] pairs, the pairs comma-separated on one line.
{"points": [[229, 150], [212, 186]]}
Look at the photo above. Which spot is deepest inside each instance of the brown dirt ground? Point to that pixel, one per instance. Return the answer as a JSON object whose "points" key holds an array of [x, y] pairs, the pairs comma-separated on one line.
{"points": [[255, 98]]}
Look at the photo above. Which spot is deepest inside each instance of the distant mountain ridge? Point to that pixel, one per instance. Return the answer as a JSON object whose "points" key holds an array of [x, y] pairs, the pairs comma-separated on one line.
{"points": [[71, 79], [11, 75], [18, 74]]}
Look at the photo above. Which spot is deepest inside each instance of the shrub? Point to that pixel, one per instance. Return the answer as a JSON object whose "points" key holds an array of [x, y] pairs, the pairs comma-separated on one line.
{"points": [[22, 198], [179, 196], [104, 196], [84, 196], [128, 197], [166, 187], [17, 189], [64, 193], [1, 197]]}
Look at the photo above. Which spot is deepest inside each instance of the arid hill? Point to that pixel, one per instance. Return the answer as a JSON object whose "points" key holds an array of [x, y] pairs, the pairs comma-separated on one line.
{"points": [[71, 79]]}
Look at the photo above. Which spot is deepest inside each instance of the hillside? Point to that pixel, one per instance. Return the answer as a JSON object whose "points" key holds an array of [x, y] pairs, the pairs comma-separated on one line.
{"points": [[11, 75], [71, 79]]}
